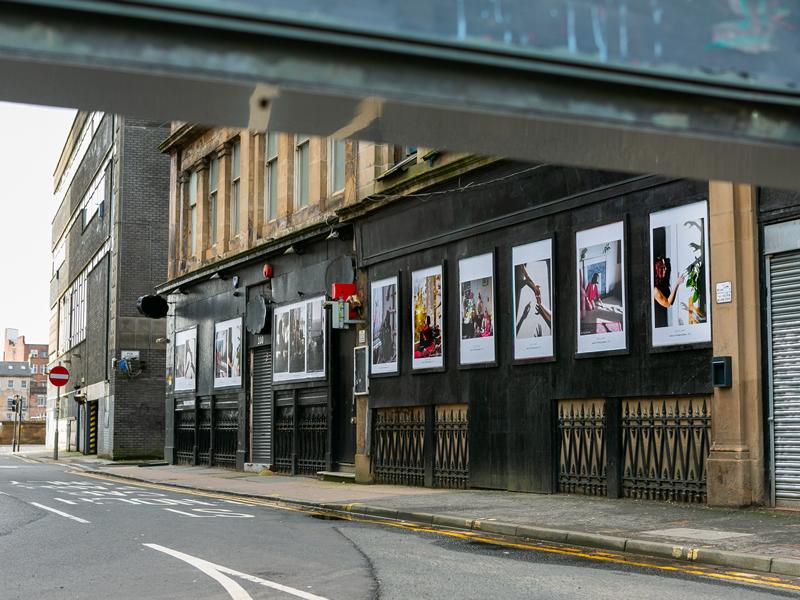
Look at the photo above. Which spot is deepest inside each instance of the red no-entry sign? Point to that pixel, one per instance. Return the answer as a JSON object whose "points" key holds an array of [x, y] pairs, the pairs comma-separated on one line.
{"points": [[59, 376]]}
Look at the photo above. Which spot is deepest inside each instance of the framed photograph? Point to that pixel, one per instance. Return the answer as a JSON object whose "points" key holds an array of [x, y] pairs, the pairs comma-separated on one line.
{"points": [[532, 278], [360, 370], [185, 360], [299, 334], [679, 276], [601, 315], [384, 326], [228, 353], [476, 301], [427, 322]]}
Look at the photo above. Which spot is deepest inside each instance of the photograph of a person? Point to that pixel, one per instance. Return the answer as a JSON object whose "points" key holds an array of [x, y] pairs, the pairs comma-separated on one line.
{"points": [[601, 288], [281, 344], [679, 275], [185, 362], [297, 339], [533, 302], [476, 286], [228, 353], [427, 327], [315, 339], [383, 317]]}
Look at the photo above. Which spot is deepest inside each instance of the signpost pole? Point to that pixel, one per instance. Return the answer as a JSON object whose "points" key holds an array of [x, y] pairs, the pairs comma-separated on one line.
{"points": [[59, 376], [57, 411]]}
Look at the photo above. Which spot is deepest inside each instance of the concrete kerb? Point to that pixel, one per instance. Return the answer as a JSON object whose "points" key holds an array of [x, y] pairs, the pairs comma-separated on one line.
{"points": [[721, 558]]}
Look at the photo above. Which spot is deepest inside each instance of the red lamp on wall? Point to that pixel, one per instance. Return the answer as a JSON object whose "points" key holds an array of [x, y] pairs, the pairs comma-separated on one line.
{"points": [[266, 270]]}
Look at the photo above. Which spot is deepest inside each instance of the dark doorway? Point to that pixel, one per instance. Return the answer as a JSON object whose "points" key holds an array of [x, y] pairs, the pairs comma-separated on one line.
{"points": [[343, 421]]}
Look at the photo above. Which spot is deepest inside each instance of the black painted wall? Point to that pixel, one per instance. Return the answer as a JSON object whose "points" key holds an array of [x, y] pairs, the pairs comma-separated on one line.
{"points": [[512, 419]]}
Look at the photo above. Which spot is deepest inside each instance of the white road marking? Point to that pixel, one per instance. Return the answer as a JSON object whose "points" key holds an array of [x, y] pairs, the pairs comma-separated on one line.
{"points": [[211, 513], [9, 466], [235, 591], [3, 494], [216, 572], [65, 501], [58, 512]]}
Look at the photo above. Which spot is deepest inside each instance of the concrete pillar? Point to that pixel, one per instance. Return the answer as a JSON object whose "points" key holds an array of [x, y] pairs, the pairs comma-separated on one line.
{"points": [[736, 462]]}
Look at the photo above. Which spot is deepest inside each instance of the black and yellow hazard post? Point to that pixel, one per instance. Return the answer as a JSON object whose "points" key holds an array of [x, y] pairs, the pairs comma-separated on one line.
{"points": [[91, 427]]}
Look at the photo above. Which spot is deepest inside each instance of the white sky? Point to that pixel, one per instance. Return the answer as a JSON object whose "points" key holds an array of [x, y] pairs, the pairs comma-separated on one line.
{"points": [[31, 139]]}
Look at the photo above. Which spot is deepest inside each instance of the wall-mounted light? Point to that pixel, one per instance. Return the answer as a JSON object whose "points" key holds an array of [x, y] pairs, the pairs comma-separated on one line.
{"points": [[292, 250]]}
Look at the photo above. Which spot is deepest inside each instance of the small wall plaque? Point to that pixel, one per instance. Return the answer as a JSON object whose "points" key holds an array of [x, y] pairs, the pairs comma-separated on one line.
{"points": [[724, 292]]}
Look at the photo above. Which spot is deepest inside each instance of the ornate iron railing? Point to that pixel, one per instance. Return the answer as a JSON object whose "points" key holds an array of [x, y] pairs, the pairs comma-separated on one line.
{"points": [[451, 469], [284, 439], [184, 437], [226, 429], [398, 446], [665, 444], [582, 464], [204, 437], [312, 439]]}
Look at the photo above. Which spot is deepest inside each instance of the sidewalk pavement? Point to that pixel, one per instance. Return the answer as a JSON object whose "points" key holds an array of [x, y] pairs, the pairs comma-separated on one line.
{"points": [[758, 539]]}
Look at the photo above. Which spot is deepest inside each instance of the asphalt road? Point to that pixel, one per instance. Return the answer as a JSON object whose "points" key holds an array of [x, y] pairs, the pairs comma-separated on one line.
{"points": [[65, 535]]}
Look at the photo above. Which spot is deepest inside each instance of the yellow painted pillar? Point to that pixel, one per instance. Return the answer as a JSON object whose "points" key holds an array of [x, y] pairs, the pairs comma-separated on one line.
{"points": [[736, 462]]}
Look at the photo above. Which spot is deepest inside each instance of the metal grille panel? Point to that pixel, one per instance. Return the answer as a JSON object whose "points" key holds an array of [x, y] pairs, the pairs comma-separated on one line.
{"points": [[204, 437], [284, 434], [312, 439], [262, 405], [452, 450], [582, 464], [184, 437], [665, 444], [784, 300], [226, 432], [398, 446]]}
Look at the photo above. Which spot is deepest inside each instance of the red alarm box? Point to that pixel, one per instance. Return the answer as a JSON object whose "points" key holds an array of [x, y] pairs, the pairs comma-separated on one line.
{"points": [[342, 291]]}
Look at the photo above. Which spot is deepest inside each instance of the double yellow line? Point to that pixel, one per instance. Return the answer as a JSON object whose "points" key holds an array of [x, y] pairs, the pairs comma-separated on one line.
{"points": [[785, 583]]}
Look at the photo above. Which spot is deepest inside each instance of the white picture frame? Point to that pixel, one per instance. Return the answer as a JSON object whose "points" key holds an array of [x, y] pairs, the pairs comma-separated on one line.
{"points": [[300, 338], [185, 360], [533, 307], [384, 330], [680, 307], [601, 310], [427, 318], [227, 352], [477, 314]]}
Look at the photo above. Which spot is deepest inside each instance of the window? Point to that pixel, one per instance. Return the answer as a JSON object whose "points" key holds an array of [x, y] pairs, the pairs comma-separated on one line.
{"points": [[336, 163], [301, 170], [59, 254], [63, 323], [193, 213], [10, 403], [94, 197], [72, 316], [24, 384], [11, 383], [78, 310], [34, 354], [41, 399], [235, 188], [213, 186], [271, 176]]}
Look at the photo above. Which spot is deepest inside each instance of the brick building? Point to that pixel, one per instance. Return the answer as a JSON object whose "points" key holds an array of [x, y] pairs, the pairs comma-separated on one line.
{"points": [[15, 378], [15, 348], [109, 247]]}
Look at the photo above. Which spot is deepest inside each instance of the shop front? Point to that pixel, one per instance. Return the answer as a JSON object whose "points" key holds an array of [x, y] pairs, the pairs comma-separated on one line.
{"points": [[254, 373]]}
